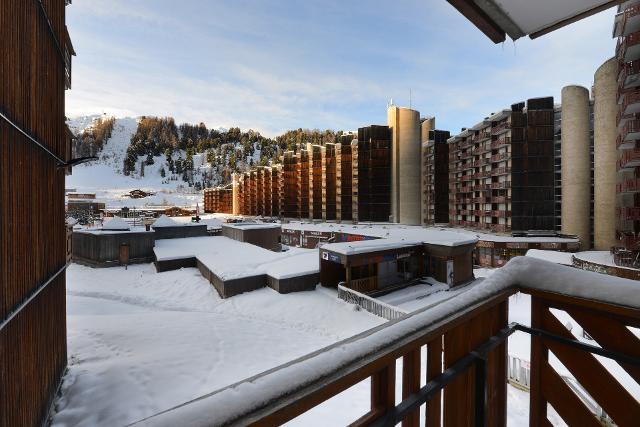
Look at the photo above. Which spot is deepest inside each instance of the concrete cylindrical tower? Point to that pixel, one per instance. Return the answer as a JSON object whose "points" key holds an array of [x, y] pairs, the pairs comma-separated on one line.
{"points": [[576, 164], [427, 124], [405, 164], [605, 155]]}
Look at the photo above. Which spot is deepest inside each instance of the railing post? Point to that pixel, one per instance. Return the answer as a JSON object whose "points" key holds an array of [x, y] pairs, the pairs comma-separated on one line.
{"points": [[383, 389], [481, 391], [411, 383], [539, 357], [434, 368]]}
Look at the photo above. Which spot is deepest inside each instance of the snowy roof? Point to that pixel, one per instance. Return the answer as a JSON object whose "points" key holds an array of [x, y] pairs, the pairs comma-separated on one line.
{"points": [[446, 236], [556, 257], [367, 246], [251, 225], [431, 235], [116, 223], [230, 259], [312, 371], [165, 221]]}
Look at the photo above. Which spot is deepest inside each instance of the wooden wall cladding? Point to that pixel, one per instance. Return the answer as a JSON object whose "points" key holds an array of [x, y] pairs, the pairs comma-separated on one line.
{"points": [[32, 223]]}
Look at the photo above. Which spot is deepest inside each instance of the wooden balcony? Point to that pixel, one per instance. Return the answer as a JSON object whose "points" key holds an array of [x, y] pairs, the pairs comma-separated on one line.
{"points": [[501, 128], [465, 340], [629, 186], [630, 158]]}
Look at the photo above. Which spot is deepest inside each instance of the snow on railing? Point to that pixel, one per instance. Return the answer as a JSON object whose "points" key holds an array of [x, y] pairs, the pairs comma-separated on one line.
{"points": [[519, 373], [369, 304]]}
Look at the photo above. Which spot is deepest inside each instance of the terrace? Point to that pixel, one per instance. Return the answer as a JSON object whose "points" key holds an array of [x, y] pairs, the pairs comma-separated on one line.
{"points": [[465, 340]]}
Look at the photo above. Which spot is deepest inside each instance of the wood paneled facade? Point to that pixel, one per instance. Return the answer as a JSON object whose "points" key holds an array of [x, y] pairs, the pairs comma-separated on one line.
{"points": [[34, 147]]}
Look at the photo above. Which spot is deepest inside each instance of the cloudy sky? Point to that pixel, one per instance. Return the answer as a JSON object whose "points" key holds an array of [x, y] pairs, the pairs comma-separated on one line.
{"points": [[273, 65]]}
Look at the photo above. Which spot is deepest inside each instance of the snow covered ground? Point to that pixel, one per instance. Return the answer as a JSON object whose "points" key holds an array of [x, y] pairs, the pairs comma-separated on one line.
{"points": [[141, 342]]}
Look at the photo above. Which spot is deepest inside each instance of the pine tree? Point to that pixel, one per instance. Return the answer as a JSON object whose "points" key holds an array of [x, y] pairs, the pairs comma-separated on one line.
{"points": [[162, 172], [141, 169], [149, 160]]}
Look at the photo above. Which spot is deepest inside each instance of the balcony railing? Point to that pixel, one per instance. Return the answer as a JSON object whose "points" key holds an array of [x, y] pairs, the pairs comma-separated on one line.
{"points": [[626, 42], [630, 158], [500, 171], [465, 341], [629, 186], [498, 227], [629, 214], [631, 126], [630, 99], [499, 157], [502, 127], [500, 142], [500, 185]]}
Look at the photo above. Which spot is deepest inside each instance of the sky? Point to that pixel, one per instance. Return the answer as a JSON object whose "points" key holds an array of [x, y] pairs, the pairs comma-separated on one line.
{"points": [[273, 65]]}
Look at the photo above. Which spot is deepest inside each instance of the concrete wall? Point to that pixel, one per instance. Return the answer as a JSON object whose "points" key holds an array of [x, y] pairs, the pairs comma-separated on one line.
{"points": [[267, 238], [605, 132], [405, 164], [576, 164]]}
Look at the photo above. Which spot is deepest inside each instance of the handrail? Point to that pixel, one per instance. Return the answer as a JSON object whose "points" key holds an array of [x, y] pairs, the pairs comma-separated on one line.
{"points": [[303, 383]]}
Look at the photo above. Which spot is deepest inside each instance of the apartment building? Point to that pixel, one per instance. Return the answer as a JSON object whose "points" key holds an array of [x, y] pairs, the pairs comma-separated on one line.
{"points": [[627, 31], [435, 178], [501, 170]]}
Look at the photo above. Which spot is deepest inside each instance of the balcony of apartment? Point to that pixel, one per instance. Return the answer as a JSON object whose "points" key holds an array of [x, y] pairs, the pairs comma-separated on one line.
{"points": [[630, 103], [629, 76], [499, 228], [630, 131], [481, 199], [481, 136], [500, 171], [481, 175], [481, 162], [496, 158], [628, 47], [630, 241], [465, 178], [501, 214], [629, 186], [628, 214], [500, 185], [501, 128], [628, 21], [501, 142], [500, 199], [630, 158], [466, 155]]}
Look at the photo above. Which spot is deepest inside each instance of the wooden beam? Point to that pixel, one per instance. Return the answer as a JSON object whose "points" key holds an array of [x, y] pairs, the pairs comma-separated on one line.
{"points": [[411, 383], [480, 19], [434, 368]]}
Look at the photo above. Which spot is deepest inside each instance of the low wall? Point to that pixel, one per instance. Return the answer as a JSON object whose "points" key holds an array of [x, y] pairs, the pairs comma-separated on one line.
{"points": [[294, 284], [175, 264], [180, 231], [611, 270], [103, 249], [232, 287]]}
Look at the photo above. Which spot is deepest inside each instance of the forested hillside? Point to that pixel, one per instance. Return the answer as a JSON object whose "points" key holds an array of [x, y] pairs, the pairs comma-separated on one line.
{"points": [[192, 154]]}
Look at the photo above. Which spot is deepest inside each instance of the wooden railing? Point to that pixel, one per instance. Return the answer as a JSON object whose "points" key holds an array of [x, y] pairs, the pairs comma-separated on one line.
{"points": [[466, 360]]}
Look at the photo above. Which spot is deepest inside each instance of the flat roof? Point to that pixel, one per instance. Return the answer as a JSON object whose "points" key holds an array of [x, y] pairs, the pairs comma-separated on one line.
{"points": [[446, 236], [251, 225], [369, 246]]}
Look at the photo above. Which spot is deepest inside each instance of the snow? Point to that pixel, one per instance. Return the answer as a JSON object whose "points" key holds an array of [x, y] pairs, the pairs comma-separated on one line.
{"points": [[164, 221], [557, 257], [141, 342], [437, 235], [366, 246], [252, 225], [116, 223], [230, 259], [520, 271]]}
